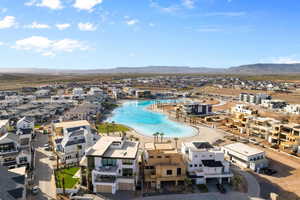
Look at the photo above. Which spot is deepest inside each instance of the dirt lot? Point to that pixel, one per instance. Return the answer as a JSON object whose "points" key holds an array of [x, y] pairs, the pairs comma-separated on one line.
{"points": [[286, 182], [293, 97]]}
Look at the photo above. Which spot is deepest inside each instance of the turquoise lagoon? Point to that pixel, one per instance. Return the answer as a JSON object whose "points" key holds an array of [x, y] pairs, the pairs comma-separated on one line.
{"points": [[136, 115]]}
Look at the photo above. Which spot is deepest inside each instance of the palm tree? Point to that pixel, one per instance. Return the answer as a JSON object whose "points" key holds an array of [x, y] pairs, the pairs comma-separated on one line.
{"points": [[176, 140], [161, 136], [113, 126], [156, 136]]}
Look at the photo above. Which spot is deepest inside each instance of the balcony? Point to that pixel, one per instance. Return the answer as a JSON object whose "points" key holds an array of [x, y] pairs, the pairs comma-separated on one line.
{"points": [[105, 179], [107, 170]]}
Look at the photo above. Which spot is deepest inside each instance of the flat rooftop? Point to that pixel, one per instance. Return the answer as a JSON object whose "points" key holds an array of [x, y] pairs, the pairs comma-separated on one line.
{"points": [[158, 146], [104, 148], [243, 149], [71, 124], [3, 122]]}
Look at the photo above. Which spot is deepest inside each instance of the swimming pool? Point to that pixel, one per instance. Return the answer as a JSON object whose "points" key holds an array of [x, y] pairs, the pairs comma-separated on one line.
{"points": [[136, 115]]}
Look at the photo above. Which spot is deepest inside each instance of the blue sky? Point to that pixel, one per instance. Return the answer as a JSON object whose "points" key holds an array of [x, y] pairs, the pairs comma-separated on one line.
{"points": [[64, 34]]}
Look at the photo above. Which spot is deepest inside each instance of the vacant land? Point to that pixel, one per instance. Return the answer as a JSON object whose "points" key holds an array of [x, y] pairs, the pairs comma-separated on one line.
{"points": [[286, 181]]}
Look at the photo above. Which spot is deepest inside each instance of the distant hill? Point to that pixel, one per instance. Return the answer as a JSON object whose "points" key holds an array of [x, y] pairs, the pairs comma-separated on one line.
{"points": [[266, 69], [243, 69]]}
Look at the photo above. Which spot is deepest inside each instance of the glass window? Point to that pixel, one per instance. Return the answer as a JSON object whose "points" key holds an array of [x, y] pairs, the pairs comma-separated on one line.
{"points": [[109, 162], [169, 172], [127, 172]]}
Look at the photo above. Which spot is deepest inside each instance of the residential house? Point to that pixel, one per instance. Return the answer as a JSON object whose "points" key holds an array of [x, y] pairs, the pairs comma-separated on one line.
{"points": [[245, 156], [273, 103], [4, 125], [13, 183], [111, 165], [163, 164], [197, 109], [71, 140], [205, 162], [12, 154], [293, 109]]}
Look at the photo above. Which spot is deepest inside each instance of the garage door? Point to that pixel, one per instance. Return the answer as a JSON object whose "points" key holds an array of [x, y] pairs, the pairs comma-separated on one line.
{"points": [[104, 188], [126, 186]]}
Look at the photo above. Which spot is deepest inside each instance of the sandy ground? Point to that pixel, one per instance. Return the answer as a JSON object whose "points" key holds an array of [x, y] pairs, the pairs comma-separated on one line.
{"points": [[286, 181]]}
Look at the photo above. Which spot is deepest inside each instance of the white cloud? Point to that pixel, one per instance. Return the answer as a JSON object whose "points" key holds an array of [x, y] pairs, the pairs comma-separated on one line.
{"points": [[86, 4], [167, 9], [283, 60], [151, 24], [62, 26], [188, 3], [132, 22], [86, 27], [36, 25], [52, 4], [226, 14], [209, 29], [47, 47], [8, 22], [1, 43]]}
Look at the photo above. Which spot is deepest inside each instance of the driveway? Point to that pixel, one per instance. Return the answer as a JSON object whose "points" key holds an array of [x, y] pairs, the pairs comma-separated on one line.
{"points": [[43, 171]]}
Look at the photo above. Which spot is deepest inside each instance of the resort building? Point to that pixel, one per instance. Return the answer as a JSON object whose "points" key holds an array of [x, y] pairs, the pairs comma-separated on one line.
{"points": [[253, 98], [13, 183], [78, 91], [287, 136], [12, 154], [163, 165], [245, 156], [205, 162], [111, 165], [71, 139], [197, 109], [273, 103], [293, 109]]}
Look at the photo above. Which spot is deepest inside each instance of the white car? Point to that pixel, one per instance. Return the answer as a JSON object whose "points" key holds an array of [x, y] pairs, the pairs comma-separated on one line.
{"points": [[35, 189]]}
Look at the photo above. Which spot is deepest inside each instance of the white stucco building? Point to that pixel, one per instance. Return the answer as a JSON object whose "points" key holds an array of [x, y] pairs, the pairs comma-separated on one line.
{"points": [[245, 156], [205, 162], [113, 163]]}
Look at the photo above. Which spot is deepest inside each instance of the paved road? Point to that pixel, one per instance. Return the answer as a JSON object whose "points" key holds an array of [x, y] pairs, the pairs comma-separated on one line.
{"points": [[43, 171], [204, 196]]}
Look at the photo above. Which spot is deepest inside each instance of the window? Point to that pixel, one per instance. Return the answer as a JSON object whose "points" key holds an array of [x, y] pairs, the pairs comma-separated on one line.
{"points": [[195, 165], [127, 172], [151, 157], [158, 156], [191, 165], [23, 159], [169, 172], [167, 156], [195, 156], [109, 162], [178, 171], [127, 162]]}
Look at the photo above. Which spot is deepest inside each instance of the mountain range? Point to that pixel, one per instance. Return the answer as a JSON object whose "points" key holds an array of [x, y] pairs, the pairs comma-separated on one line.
{"points": [[251, 69]]}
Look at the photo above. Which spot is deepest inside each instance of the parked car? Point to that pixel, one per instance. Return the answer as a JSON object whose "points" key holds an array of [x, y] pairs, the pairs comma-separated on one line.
{"points": [[35, 190], [221, 188], [268, 171]]}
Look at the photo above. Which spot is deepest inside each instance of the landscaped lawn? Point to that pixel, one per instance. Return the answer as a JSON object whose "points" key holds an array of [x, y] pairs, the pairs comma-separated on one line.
{"points": [[68, 174], [109, 127]]}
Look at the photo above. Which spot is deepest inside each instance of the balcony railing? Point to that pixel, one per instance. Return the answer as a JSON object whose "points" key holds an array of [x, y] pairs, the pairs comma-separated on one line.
{"points": [[101, 179], [107, 169]]}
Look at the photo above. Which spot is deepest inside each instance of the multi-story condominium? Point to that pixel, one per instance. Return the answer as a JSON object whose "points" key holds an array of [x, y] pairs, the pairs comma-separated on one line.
{"points": [[273, 103], [163, 164], [71, 139], [197, 109], [243, 109], [245, 156], [287, 136], [205, 162], [13, 183], [293, 109], [262, 127], [111, 165], [12, 153], [253, 98]]}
